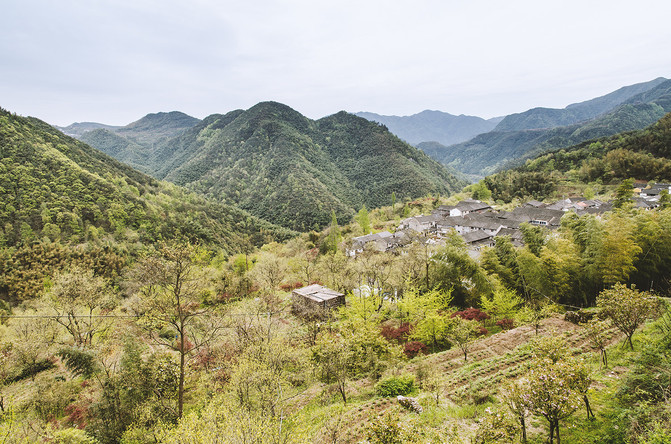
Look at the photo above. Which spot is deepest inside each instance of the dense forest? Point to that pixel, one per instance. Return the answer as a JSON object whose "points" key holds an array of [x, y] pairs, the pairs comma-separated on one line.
{"points": [[64, 202], [283, 167]]}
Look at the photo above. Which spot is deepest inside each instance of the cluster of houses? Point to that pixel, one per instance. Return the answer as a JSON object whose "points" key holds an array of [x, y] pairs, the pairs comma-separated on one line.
{"points": [[476, 222], [479, 224]]}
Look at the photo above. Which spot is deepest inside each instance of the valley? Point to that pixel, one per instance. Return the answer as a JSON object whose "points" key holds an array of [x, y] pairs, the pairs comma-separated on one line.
{"points": [[151, 276]]}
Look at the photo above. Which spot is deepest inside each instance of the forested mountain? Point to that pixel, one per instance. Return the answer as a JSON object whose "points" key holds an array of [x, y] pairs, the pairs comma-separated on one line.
{"points": [[55, 189], [286, 168], [495, 150], [436, 126], [134, 143], [543, 118], [643, 154]]}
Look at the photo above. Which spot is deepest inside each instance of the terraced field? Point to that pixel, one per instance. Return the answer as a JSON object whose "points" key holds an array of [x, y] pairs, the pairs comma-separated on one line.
{"points": [[491, 362]]}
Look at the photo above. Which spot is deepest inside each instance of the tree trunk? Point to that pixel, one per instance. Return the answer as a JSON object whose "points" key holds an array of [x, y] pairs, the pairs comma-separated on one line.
{"points": [[341, 389], [180, 390], [557, 428], [587, 406], [552, 431], [524, 429]]}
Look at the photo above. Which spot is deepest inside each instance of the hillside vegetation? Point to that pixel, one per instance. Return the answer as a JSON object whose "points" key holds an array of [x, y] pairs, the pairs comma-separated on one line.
{"points": [[544, 118], [59, 192], [507, 147], [222, 357], [643, 155], [285, 168]]}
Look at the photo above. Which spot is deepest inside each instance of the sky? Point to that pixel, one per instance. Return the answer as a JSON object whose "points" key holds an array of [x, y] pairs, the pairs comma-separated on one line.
{"points": [[114, 61]]}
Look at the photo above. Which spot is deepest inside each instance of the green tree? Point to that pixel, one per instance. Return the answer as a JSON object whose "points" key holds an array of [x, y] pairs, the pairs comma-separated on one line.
{"points": [[552, 392], [503, 304], [627, 308], [78, 301], [624, 194], [364, 220], [334, 237], [462, 332], [480, 191], [534, 237], [598, 335]]}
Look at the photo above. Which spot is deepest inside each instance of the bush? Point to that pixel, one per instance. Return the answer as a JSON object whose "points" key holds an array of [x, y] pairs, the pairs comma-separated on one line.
{"points": [[395, 385], [471, 314], [398, 335], [78, 361], [31, 370], [414, 348], [506, 324]]}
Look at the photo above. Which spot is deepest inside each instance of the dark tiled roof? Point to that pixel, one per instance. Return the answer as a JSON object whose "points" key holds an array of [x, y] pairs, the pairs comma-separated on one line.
{"points": [[475, 236]]}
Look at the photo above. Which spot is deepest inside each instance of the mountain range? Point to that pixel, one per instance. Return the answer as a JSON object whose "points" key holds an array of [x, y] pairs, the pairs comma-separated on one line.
{"points": [[435, 126], [279, 165], [521, 136], [642, 155]]}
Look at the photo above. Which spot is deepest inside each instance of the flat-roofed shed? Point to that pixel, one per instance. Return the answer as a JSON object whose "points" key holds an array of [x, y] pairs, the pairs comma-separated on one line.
{"points": [[315, 296]]}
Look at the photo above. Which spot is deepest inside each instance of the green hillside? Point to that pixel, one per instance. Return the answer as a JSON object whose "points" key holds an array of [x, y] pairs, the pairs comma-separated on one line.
{"points": [[498, 150], [643, 154], [544, 118], [56, 189], [293, 171]]}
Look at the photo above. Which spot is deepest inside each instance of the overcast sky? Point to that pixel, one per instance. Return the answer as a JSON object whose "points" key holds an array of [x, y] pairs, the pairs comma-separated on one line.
{"points": [[113, 61]]}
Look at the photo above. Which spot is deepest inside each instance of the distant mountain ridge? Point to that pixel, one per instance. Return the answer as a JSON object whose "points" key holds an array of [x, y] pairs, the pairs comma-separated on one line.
{"points": [[435, 126], [546, 118], [286, 168], [496, 150]]}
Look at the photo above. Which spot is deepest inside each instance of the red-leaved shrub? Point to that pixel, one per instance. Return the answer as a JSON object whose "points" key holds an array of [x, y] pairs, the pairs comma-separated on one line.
{"points": [[394, 334], [506, 324], [413, 348], [471, 314], [290, 286]]}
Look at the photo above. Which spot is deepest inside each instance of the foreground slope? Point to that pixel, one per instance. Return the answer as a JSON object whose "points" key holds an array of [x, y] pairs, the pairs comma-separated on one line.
{"points": [[293, 171]]}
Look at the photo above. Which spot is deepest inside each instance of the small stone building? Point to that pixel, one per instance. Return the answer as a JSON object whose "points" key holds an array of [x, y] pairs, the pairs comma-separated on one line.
{"points": [[315, 298]]}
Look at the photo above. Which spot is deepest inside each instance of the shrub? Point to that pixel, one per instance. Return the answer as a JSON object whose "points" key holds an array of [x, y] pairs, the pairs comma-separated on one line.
{"points": [[395, 385], [31, 370], [506, 324], [78, 361], [393, 334], [471, 314], [414, 348], [482, 331]]}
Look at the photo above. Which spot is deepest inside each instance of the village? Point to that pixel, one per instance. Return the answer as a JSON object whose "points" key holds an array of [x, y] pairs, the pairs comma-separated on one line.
{"points": [[479, 224]]}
